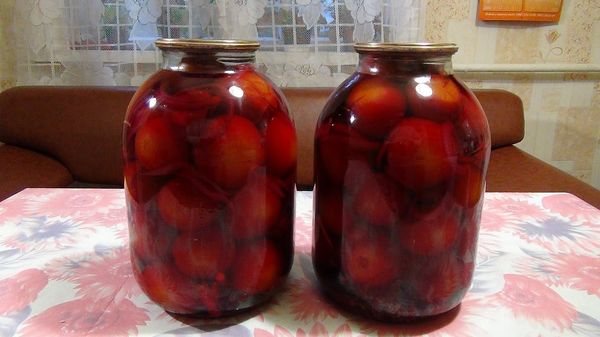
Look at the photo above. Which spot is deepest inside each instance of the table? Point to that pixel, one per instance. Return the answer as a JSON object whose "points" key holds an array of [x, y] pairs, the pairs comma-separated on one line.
{"points": [[65, 270]]}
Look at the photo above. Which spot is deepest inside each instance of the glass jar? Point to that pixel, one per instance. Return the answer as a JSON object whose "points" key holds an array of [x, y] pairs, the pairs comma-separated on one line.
{"points": [[210, 165], [401, 154]]}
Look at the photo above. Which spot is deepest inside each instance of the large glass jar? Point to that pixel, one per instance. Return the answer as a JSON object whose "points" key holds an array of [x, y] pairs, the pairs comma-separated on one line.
{"points": [[210, 167], [401, 153]]}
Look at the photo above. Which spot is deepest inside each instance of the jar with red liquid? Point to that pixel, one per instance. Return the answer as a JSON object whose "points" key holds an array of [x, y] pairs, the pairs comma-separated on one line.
{"points": [[210, 165], [401, 153]]}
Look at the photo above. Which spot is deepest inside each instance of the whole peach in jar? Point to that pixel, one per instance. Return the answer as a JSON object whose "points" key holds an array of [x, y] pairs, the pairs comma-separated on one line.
{"points": [[210, 167], [401, 154]]}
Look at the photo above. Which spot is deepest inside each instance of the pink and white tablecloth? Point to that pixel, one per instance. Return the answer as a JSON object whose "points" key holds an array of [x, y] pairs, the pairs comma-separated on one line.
{"points": [[65, 270]]}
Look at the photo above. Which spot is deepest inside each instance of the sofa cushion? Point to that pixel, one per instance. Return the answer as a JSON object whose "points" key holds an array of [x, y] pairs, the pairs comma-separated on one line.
{"points": [[504, 111], [21, 168], [305, 107]]}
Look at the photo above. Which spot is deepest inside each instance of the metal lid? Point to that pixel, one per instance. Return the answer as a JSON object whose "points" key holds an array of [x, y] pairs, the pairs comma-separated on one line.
{"points": [[198, 45], [417, 48]]}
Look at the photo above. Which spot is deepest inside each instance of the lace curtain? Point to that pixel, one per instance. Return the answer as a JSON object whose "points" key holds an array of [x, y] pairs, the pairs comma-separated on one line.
{"points": [[110, 42]]}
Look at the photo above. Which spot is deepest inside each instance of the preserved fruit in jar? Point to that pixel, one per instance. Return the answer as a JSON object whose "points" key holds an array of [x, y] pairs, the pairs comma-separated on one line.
{"points": [[401, 154], [210, 168]]}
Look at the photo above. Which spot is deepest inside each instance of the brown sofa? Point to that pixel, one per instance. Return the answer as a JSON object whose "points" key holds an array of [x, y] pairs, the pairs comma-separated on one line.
{"points": [[71, 136]]}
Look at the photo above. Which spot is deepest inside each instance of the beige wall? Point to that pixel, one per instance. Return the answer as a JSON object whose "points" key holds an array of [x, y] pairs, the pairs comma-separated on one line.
{"points": [[7, 57], [562, 110]]}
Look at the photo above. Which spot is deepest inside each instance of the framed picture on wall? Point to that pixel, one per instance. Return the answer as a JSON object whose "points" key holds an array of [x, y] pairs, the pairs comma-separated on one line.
{"points": [[520, 10]]}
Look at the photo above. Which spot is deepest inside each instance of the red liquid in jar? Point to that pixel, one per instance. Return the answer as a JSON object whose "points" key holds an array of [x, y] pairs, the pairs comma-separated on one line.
{"points": [[400, 161], [210, 164]]}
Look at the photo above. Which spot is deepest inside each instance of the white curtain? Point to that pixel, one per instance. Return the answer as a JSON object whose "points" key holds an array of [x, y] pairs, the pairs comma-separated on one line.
{"points": [[110, 42]]}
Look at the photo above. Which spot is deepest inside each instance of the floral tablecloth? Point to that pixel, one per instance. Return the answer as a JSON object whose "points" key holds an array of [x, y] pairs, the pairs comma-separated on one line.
{"points": [[65, 270]]}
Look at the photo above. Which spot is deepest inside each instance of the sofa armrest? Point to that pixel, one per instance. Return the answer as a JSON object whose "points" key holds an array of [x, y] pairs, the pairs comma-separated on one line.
{"points": [[79, 126], [20, 168], [513, 170]]}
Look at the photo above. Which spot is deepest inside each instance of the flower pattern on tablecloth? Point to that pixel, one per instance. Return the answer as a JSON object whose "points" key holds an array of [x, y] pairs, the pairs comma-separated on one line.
{"points": [[113, 217], [86, 317], [302, 235], [530, 298], [65, 270], [566, 204], [16, 295], [46, 233], [493, 219], [104, 274], [516, 208], [558, 235], [18, 291], [17, 205], [13, 259], [574, 271], [84, 204], [586, 326], [317, 329], [307, 304]]}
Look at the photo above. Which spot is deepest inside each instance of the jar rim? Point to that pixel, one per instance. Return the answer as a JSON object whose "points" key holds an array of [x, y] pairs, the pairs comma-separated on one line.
{"points": [[417, 48], [200, 45]]}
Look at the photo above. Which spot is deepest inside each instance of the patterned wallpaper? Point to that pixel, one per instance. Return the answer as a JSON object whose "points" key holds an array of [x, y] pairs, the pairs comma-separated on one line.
{"points": [[562, 110], [7, 57]]}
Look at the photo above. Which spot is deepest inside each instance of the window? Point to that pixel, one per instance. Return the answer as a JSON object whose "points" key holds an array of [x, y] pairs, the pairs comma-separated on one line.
{"points": [[111, 41]]}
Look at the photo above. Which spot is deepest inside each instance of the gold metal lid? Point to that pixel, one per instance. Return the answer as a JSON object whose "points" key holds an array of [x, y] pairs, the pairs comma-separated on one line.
{"points": [[417, 48], [191, 45]]}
